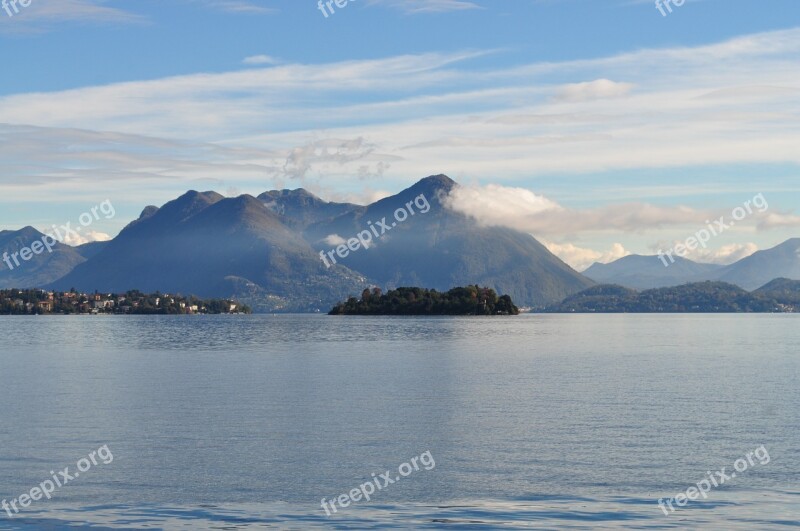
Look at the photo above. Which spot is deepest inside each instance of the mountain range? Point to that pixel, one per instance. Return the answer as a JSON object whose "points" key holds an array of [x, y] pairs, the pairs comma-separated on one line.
{"points": [[267, 251], [750, 273], [289, 250]]}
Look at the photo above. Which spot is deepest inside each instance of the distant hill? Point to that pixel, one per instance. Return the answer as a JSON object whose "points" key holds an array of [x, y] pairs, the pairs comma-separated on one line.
{"points": [[782, 289], [701, 297], [645, 272], [782, 261], [41, 269]]}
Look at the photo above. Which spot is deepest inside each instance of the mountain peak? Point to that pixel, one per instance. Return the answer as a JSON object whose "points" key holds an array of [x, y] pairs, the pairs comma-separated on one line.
{"points": [[190, 203], [194, 195], [29, 232], [298, 196], [300, 208], [148, 211], [437, 182], [435, 188], [299, 192]]}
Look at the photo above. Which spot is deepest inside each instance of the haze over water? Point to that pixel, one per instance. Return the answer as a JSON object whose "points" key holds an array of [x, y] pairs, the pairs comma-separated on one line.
{"points": [[554, 421]]}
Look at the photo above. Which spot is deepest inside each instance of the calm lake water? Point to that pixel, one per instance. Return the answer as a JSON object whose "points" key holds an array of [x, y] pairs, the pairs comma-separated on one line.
{"points": [[538, 421]]}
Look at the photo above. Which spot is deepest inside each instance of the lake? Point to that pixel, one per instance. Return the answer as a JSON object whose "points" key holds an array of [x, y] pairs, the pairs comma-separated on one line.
{"points": [[536, 421]]}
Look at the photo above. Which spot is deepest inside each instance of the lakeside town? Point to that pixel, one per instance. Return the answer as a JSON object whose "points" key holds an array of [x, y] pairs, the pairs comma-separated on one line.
{"points": [[40, 302]]}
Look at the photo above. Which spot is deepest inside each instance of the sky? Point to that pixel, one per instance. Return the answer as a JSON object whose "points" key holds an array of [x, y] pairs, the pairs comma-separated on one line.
{"points": [[602, 127]]}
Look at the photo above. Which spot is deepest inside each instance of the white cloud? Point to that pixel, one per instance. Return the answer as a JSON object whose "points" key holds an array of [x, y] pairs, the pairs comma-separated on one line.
{"points": [[774, 220], [581, 258], [260, 60], [499, 205], [524, 210], [85, 237], [334, 240], [593, 90], [332, 151], [726, 254]]}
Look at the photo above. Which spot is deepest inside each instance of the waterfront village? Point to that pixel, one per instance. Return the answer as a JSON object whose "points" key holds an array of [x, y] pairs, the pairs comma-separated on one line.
{"points": [[39, 301]]}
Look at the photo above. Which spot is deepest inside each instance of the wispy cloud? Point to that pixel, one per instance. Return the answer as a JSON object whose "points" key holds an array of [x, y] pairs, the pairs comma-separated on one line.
{"points": [[427, 6], [408, 116], [581, 258], [524, 121], [774, 220], [238, 6], [260, 60], [42, 14], [592, 90]]}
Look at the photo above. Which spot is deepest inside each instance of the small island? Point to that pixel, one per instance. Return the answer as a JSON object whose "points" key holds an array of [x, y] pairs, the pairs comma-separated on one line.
{"points": [[471, 300]]}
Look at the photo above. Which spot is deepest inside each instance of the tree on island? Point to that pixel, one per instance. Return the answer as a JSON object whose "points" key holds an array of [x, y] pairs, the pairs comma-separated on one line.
{"points": [[470, 300]]}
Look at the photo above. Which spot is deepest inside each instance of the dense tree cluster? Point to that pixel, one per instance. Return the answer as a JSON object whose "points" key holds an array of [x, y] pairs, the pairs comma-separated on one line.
{"points": [[701, 297], [782, 289], [471, 300]]}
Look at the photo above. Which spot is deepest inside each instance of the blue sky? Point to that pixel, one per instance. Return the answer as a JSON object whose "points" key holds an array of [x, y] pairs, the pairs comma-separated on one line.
{"points": [[600, 126]]}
